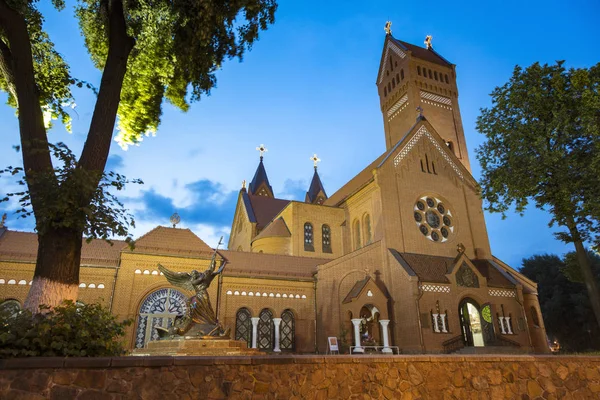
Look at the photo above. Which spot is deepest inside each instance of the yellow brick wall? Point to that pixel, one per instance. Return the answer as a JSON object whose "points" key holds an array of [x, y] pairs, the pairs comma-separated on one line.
{"points": [[242, 230]]}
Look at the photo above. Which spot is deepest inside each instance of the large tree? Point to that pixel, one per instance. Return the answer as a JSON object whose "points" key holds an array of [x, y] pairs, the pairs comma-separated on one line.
{"points": [[543, 146], [561, 297], [147, 51]]}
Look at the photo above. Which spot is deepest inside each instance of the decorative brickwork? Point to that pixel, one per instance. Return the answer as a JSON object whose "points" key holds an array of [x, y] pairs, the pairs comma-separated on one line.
{"points": [[502, 293]]}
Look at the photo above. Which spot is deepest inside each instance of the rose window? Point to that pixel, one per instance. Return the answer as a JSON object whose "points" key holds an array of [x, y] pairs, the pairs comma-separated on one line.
{"points": [[434, 219]]}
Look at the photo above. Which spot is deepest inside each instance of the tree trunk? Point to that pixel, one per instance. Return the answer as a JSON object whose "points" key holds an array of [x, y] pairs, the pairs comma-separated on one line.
{"points": [[586, 270], [56, 275]]}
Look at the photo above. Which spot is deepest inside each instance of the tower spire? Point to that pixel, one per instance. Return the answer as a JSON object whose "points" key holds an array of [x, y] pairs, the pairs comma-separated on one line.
{"points": [[260, 183], [316, 192]]}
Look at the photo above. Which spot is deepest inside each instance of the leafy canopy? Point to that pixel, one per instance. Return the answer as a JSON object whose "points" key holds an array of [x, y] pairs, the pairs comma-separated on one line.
{"points": [[543, 145], [179, 45]]}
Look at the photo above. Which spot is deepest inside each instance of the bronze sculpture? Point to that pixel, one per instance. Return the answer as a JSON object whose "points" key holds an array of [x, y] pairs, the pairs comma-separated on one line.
{"points": [[199, 312]]}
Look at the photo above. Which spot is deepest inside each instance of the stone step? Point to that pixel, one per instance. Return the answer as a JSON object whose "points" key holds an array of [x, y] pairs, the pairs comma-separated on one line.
{"points": [[492, 350], [196, 347]]}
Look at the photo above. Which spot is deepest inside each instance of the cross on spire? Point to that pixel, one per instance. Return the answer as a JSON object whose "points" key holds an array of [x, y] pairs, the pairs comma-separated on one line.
{"points": [[428, 42], [388, 27], [262, 149], [315, 160]]}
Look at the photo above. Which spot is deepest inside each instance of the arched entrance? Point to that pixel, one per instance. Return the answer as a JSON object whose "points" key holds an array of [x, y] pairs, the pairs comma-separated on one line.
{"points": [[370, 331], [471, 323], [158, 309]]}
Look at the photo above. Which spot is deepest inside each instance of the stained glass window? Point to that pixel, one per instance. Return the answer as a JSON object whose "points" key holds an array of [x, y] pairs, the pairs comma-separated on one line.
{"points": [[308, 237], [326, 238], [287, 330], [158, 309], [433, 218], [266, 330], [243, 326]]}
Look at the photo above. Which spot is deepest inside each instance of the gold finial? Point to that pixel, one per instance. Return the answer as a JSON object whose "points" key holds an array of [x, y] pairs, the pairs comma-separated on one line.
{"points": [[262, 149], [315, 160], [460, 248], [428, 42], [244, 184], [3, 221], [388, 27]]}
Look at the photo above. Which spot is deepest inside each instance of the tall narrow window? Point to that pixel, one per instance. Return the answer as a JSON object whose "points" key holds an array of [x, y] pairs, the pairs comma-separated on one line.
{"points": [[243, 326], [534, 317], [402, 73], [435, 75], [266, 330], [288, 333], [326, 236], [418, 70], [446, 76], [357, 241], [308, 237], [430, 75], [367, 228]]}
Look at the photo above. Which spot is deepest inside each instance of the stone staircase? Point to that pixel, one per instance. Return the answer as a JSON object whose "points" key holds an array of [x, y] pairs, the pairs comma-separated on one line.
{"points": [[196, 347], [492, 350]]}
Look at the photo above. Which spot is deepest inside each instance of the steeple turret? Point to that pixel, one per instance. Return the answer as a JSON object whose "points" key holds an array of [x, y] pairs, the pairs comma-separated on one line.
{"points": [[316, 192], [259, 185]]}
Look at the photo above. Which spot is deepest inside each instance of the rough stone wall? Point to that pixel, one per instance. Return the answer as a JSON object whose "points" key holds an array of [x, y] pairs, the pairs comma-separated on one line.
{"points": [[302, 377]]}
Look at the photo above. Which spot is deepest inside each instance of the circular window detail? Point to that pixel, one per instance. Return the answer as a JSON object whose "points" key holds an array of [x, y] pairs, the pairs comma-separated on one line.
{"points": [[434, 218], [418, 216]]}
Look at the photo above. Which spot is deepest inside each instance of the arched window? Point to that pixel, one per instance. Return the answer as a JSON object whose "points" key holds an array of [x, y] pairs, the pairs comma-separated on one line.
{"points": [[385, 91], [357, 241], [326, 238], [435, 75], [266, 330], [367, 228], [308, 237], [243, 326], [402, 74], [398, 78], [446, 78], [429, 73], [419, 70], [534, 317], [158, 309], [287, 331]]}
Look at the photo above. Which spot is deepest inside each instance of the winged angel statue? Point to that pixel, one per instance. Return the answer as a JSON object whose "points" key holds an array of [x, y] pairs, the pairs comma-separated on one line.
{"points": [[199, 310]]}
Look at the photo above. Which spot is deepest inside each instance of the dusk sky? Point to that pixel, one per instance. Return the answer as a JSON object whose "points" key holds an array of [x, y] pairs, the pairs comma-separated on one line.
{"points": [[308, 86]]}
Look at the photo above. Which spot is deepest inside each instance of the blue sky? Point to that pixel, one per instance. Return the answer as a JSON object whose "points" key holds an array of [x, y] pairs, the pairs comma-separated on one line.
{"points": [[308, 86]]}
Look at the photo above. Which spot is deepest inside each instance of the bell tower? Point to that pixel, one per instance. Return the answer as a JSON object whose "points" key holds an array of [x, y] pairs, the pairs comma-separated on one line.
{"points": [[411, 76]]}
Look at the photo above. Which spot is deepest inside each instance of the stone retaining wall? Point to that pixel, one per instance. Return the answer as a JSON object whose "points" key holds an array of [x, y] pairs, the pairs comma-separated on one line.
{"points": [[302, 377]]}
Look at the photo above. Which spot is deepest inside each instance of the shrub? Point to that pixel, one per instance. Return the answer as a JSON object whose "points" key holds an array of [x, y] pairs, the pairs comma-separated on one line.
{"points": [[68, 330]]}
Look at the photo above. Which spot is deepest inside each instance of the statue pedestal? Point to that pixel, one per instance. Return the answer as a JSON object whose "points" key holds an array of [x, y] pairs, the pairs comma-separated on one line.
{"points": [[196, 347]]}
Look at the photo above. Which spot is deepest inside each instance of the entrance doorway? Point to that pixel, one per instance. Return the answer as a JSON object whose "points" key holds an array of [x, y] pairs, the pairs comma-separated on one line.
{"points": [[471, 323]]}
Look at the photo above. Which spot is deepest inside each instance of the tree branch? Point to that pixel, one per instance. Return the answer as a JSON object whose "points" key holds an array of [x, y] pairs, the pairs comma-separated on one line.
{"points": [[97, 145], [36, 155]]}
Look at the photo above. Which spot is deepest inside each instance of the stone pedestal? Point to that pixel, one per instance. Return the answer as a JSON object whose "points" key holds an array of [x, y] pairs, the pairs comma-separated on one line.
{"points": [[196, 347]]}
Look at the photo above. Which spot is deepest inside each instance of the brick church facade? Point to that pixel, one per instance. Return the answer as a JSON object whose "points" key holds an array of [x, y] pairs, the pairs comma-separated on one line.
{"points": [[399, 256]]}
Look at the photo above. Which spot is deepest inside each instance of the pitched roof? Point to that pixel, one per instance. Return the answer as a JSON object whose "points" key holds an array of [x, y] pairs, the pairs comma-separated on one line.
{"points": [[315, 188], [354, 184], [171, 241], [434, 269], [356, 289], [22, 246], [422, 53], [242, 263], [277, 228], [260, 177], [266, 208]]}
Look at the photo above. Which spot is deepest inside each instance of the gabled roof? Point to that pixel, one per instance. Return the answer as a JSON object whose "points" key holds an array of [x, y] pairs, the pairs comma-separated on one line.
{"points": [[171, 241], [260, 180], [316, 187], [262, 265], [277, 228], [355, 184], [422, 53], [435, 268], [22, 246], [356, 289], [265, 208]]}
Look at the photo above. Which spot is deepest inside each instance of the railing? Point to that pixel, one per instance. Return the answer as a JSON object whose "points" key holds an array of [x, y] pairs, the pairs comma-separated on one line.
{"points": [[454, 344]]}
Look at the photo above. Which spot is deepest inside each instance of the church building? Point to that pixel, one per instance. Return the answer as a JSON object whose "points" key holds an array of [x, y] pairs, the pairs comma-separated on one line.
{"points": [[397, 260]]}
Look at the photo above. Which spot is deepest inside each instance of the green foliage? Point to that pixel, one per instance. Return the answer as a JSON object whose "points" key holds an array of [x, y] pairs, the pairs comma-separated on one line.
{"points": [[565, 305], [543, 145], [179, 45], [104, 217], [68, 330], [572, 270]]}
